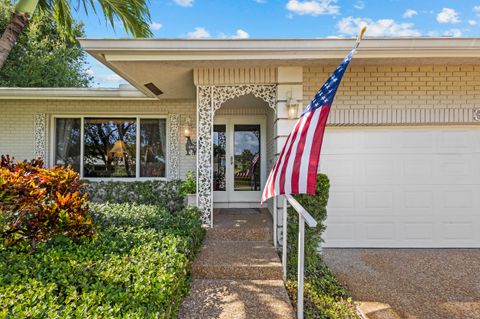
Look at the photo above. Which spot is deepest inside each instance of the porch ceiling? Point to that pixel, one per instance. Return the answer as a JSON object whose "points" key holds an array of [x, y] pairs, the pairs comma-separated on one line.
{"points": [[169, 63]]}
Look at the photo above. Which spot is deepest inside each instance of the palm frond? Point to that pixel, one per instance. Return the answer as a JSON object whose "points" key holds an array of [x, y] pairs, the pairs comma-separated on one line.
{"points": [[133, 14]]}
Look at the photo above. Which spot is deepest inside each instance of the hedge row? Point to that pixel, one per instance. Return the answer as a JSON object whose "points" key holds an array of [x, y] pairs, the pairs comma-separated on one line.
{"points": [[156, 192], [137, 267]]}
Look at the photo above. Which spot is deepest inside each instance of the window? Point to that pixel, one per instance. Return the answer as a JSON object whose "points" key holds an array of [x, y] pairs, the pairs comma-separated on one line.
{"points": [[67, 146], [125, 147]]}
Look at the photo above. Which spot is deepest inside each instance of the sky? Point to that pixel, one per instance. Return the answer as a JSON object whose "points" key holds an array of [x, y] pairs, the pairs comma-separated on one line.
{"points": [[293, 19]]}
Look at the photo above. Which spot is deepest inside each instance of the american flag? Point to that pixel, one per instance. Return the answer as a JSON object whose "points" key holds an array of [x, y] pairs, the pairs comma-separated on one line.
{"points": [[295, 171]]}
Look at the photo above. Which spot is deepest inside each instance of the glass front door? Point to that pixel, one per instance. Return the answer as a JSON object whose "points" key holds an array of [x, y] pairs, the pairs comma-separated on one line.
{"points": [[238, 159]]}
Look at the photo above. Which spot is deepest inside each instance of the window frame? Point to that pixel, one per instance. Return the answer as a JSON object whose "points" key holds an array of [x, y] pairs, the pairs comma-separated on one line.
{"points": [[138, 121]]}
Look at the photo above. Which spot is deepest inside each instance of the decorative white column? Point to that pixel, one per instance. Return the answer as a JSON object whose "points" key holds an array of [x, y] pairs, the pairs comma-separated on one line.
{"points": [[40, 136], [205, 153], [174, 154]]}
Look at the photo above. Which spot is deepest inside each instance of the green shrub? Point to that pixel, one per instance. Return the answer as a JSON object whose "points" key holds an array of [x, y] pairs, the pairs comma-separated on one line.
{"points": [[189, 185], [324, 295], [137, 267], [38, 203], [156, 192]]}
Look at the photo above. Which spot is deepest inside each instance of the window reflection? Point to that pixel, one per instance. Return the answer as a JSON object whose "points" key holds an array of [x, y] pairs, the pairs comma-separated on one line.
{"points": [[247, 157], [152, 147], [67, 147], [109, 147], [219, 159]]}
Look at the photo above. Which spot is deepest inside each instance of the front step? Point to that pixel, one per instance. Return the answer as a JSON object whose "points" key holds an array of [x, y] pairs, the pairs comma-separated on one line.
{"points": [[255, 260], [237, 299], [240, 234], [234, 225]]}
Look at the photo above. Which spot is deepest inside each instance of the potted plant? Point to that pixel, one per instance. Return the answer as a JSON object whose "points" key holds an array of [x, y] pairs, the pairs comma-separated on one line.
{"points": [[189, 189]]}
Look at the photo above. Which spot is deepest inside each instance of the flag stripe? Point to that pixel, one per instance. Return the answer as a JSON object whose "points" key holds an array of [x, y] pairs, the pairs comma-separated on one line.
{"points": [[306, 154], [315, 153], [298, 157], [287, 170]]}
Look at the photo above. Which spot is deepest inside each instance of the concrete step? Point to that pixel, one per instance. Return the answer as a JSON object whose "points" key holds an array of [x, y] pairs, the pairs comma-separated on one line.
{"points": [[231, 224], [255, 260], [237, 299], [240, 234]]}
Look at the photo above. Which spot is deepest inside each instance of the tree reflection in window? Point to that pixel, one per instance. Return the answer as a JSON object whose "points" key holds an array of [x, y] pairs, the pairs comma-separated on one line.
{"points": [[109, 147]]}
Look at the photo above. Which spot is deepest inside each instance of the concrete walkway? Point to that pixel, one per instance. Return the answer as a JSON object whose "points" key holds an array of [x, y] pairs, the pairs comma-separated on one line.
{"points": [[410, 283], [238, 274]]}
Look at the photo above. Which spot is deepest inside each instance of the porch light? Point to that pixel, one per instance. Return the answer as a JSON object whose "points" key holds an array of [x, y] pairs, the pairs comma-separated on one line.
{"points": [[292, 108], [188, 124]]}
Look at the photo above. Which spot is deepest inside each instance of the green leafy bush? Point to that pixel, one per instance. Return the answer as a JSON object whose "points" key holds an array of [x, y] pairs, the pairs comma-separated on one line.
{"points": [[156, 192], [189, 185], [38, 203], [324, 295], [138, 266]]}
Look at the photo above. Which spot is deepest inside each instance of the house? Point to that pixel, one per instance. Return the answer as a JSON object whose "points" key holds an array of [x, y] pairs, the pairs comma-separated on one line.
{"points": [[402, 147]]}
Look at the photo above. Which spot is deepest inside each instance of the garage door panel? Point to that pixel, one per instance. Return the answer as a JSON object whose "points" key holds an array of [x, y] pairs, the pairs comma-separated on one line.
{"points": [[412, 188]]}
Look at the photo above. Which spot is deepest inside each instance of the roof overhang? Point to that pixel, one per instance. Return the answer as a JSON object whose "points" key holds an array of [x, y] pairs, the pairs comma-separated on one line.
{"points": [[169, 63], [72, 94]]}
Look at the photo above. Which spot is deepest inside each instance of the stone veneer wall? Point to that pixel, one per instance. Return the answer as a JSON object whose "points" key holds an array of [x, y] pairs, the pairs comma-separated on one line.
{"points": [[17, 121]]}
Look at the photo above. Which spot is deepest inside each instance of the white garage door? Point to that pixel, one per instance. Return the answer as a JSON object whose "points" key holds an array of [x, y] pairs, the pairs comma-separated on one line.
{"points": [[403, 187]]}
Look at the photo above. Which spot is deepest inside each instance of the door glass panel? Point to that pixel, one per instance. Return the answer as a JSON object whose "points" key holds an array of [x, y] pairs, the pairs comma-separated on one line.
{"points": [[247, 157], [109, 147], [219, 157]]}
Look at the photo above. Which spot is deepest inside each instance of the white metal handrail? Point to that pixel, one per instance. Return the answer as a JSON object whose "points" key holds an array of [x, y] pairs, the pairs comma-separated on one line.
{"points": [[303, 216]]}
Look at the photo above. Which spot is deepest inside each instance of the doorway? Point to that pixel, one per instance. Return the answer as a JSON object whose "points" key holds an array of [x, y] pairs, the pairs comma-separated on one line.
{"points": [[239, 160]]}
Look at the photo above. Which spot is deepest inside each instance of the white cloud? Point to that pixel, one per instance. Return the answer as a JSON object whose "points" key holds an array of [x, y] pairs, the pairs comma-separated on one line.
{"points": [[448, 15], [155, 26], [313, 7], [378, 28], [454, 33], [184, 3], [241, 34], [359, 5], [260, 1], [472, 22], [90, 72], [409, 13], [199, 33], [476, 9]]}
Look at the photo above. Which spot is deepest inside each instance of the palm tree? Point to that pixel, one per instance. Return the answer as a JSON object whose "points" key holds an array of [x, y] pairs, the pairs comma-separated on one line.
{"points": [[133, 14]]}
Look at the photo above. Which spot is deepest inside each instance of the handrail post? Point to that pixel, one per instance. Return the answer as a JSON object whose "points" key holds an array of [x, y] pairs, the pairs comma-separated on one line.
{"points": [[301, 261], [275, 222], [284, 239]]}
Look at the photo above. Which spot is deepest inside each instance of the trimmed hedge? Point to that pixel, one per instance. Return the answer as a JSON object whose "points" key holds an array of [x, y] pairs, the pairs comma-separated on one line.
{"points": [[324, 295], [156, 192], [137, 267]]}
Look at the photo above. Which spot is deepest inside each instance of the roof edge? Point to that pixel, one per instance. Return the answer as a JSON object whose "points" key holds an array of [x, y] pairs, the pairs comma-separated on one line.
{"points": [[72, 93]]}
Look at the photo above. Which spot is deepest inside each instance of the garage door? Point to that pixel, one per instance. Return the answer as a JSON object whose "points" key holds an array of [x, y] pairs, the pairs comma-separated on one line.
{"points": [[403, 187]]}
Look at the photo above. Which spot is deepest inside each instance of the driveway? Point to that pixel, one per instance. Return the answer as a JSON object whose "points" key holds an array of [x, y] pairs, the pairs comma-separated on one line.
{"points": [[410, 283]]}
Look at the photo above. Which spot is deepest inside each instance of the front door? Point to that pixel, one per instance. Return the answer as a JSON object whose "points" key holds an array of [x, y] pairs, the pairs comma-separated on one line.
{"points": [[239, 161]]}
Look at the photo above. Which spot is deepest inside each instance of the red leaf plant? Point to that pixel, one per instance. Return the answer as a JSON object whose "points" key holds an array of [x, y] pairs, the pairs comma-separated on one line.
{"points": [[38, 203]]}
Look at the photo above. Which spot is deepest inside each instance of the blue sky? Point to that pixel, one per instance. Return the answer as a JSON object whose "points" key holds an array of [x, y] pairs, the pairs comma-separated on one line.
{"points": [[294, 19]]}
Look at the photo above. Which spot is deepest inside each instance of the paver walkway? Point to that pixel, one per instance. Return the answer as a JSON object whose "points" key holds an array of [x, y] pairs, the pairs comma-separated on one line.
{"points": [[410, 283], [238, 274]]}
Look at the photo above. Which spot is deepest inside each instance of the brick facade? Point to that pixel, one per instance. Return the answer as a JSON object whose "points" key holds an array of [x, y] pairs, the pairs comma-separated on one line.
{"points": [[17, 120], [400, 86]]}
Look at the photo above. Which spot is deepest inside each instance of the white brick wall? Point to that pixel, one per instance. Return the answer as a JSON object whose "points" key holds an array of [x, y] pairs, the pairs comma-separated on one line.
{"points": [[16, 120], [400, 86]]}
